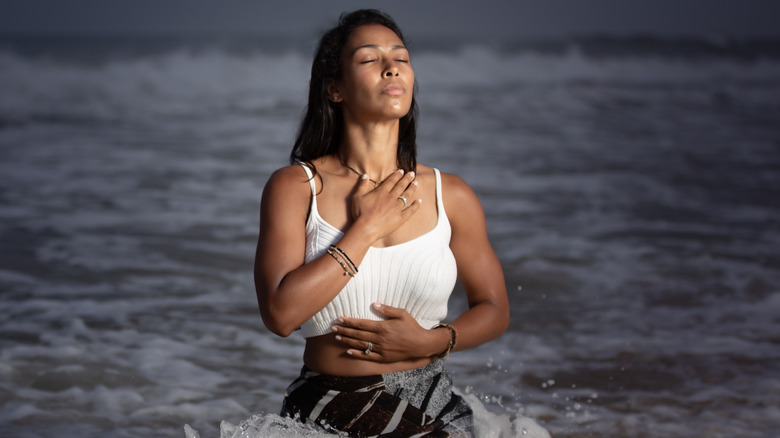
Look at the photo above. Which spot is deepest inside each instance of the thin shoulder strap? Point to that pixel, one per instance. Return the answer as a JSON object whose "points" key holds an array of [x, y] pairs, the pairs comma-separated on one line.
{"points": [[438, 186], [311, 179], [439, 201]]}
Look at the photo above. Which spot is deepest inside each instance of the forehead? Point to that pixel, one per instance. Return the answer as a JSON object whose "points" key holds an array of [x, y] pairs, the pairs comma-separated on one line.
{"points": [[373, 35]]}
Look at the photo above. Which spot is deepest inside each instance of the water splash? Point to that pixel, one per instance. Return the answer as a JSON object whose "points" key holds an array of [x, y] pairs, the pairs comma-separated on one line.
{"points": [[487, 425]]}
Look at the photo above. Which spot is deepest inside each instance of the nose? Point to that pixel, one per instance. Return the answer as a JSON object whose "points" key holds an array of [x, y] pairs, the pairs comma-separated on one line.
{"points": [[391, 70]]}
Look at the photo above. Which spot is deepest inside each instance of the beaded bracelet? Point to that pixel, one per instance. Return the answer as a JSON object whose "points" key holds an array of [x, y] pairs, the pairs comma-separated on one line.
{"points": [[345, 257], [335, 257], [453, 339]]}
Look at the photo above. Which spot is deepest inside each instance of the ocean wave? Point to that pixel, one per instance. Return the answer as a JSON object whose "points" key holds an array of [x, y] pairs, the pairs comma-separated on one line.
{"points": [[171, 83], [491, 67], [185, 82]]}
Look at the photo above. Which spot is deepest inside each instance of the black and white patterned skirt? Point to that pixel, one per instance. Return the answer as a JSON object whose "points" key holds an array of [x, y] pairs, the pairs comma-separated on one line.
{"points": [[413, 403]]}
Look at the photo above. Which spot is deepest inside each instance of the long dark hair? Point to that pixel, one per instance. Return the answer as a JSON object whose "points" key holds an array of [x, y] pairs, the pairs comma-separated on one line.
{"points": [[321, 130]]}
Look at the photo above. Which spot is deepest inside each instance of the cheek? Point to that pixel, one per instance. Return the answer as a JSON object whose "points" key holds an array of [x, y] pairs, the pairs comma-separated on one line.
{"points": [[358, 83]]}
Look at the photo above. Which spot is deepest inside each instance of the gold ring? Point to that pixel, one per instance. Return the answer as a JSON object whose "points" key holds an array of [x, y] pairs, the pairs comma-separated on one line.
{"points": [[368, 349], [403, 199]]}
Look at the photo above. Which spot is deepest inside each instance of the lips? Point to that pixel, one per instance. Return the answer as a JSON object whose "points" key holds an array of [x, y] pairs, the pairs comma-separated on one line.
{"points": [[394, 89]]}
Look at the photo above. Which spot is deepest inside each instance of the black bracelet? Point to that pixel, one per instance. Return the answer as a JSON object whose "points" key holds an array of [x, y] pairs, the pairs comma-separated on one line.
{"points": [[453, 339], [345, 257], [335, 257]]}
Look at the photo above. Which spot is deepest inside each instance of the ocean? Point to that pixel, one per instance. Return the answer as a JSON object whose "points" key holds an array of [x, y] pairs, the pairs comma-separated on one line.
{"points": [[630, 184]]}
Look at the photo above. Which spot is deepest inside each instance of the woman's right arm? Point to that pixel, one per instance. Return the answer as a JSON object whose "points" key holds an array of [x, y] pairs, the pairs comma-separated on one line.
{"points": [[289, 291]]}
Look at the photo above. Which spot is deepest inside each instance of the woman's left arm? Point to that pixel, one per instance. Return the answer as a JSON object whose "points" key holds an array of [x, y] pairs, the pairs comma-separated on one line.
{"points": [[479, 270]]}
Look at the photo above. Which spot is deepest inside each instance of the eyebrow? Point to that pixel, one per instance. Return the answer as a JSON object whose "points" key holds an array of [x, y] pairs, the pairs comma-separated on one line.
{"points": [[377, 46]]}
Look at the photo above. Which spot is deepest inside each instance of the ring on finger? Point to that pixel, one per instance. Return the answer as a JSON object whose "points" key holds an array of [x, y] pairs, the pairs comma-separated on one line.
{"points": [[401, 197], [368, 349]]}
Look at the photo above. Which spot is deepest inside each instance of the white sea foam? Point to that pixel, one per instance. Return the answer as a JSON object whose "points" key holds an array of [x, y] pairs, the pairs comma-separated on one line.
{"points": [[487, 425]]}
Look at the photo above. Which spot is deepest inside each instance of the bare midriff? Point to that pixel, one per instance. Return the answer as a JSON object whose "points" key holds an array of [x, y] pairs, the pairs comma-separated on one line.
{"points": [[325, 355]]}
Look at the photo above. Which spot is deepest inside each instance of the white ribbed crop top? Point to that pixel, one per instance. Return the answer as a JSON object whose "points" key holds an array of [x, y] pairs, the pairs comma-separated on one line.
{"points": [[417, 275]]}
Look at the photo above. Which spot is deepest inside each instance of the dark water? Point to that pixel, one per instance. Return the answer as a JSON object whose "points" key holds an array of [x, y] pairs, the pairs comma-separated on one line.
{"points": [[630, 187]]}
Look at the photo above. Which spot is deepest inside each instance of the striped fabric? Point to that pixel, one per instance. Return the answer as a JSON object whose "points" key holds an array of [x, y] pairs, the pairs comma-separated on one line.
{"points": [[416, 403]]}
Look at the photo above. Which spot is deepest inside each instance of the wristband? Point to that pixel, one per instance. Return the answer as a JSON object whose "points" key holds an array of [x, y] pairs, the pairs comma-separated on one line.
{"points": [[453, 339]]}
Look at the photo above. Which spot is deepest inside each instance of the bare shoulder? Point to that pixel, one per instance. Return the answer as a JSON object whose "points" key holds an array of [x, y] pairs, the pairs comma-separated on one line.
{"points": [[457, 194], [290, 179], [460, 201], [287, 189], [423, 171]]}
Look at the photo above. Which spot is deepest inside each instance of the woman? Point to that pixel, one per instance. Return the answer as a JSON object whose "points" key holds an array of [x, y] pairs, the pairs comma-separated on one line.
{"points": [[360, 247]]}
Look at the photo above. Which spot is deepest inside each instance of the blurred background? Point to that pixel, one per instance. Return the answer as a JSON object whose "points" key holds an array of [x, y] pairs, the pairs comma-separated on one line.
{"points": [[627, 155]]}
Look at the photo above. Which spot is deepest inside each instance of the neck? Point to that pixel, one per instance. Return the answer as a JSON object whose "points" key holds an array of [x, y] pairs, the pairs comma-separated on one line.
{"points": [[371, 149]]}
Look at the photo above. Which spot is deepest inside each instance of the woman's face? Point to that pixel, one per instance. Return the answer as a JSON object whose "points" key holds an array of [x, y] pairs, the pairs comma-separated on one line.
{"points": [[378, 80]]}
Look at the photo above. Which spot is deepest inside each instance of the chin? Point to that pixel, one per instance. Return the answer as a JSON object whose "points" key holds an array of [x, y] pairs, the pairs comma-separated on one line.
{"points": [[401, 110]]}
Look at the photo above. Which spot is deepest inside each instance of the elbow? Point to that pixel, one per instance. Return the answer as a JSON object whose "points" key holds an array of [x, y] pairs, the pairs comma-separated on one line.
{"points": [[277, 324], [280, 330], [275, 318], [502, 320], [505, 323]]}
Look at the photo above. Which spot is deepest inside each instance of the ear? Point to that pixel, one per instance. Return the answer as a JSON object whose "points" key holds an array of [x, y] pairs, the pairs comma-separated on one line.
{"points": [[334, 95]]}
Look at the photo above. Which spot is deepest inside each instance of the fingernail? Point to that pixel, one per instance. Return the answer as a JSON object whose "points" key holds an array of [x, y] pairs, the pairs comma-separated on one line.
{"points": [[414, 182], [377, 306], [364, 176], [349, 352], [412, 173], [401, 170], [334, 328], [338, 338], [340, 320]]}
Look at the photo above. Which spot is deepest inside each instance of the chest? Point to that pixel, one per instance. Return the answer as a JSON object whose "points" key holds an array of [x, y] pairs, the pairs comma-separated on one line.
{"points": [[334, 205]]}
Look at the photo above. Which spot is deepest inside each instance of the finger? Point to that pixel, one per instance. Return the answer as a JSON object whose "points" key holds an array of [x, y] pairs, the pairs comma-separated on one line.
{"points": [[366, 350], [347, 333], [355, 344], [389, 311], [356, 324], [404, 200], [403, 183], [411, 188], [391, 181], [407, 197], [411, 209], [361, 354], [364, 186]]}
